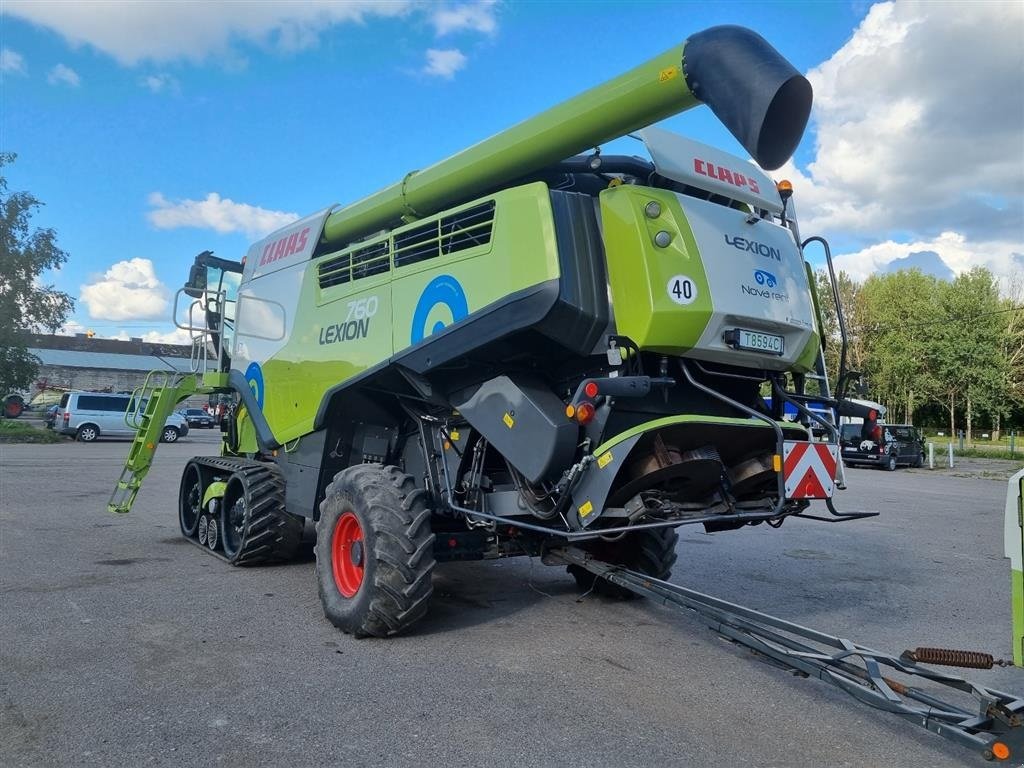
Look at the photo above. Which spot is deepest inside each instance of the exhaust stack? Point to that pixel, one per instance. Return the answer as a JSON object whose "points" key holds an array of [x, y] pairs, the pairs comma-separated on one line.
{"points": [[751, 88]]}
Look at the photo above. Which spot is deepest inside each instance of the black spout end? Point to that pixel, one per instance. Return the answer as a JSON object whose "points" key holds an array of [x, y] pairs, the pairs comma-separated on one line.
{"points": [[758, 95]]}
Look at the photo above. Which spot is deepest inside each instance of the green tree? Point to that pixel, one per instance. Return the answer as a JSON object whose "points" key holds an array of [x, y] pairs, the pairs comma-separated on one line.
{"points": [[26, 305], [898, 338], [970, 347]]}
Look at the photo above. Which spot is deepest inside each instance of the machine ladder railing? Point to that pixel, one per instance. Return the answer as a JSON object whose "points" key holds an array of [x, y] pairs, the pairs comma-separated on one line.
{"points": [[992, 725], [151, 404]]}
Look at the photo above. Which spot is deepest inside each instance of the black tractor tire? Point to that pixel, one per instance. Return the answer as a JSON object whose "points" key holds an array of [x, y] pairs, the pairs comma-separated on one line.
{"points": [[190, 500], [374, 551], [254, 526], [87, 433], [890, 464], [651, 551]]}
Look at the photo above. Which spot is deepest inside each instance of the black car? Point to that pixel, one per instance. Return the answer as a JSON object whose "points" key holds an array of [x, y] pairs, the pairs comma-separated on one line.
{"points": [[882, 445], [197, 417]]}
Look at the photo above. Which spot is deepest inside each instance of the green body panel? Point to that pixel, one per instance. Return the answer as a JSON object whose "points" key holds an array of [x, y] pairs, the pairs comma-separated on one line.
{"points": [[644, 95], [667, 421], [522, 252], [808, 359], [214, 490], [1017, 605], [247, 442], [1015, 550], [639, 271]]}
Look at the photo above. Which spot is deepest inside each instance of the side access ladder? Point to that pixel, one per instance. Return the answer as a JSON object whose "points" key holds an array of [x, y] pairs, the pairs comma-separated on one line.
{"points": [[152, 403], [992, 724]]}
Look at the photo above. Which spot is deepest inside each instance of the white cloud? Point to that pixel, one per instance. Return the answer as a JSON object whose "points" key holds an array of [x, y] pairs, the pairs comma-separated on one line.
{"points": [[63, 75], [918, 137], [1003, 258], [70, 328], [129, 290], [475, 17], [217, 213], [160, 83], [12, 61], [136, 30], [918, 122], [444, 63]]}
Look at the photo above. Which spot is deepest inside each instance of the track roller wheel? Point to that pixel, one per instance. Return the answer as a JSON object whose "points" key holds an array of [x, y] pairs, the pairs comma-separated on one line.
{"points": [[374, 551], [203, 529], [651, 551], [254, 526], [190, 500]]}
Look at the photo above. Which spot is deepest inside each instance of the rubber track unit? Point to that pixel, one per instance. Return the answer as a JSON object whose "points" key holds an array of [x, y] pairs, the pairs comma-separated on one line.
{"points": [[395, 518], [273, 535]]}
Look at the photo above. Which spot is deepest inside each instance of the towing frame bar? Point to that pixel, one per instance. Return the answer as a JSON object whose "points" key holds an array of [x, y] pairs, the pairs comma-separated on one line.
{"points": [[995, 730]]}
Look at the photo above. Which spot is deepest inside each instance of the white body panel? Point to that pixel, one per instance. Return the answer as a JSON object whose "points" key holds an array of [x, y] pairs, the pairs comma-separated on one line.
{"points": [[293, 244], [758, 283], [698, 165]]}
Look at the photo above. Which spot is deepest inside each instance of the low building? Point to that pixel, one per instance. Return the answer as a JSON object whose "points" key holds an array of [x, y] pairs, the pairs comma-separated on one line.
{"points": [[102, 365]]}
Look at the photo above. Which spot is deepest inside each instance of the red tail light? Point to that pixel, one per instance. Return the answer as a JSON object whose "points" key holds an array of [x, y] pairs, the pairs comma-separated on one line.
{"points": [[67, 417]]}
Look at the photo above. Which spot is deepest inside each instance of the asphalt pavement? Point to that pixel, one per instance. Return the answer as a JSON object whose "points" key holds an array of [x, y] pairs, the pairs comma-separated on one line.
{"points": [[122, 644]]}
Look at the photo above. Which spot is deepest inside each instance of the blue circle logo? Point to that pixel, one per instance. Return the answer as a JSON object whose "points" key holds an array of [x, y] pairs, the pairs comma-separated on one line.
{"points": [[442, 291], [254, 375]]}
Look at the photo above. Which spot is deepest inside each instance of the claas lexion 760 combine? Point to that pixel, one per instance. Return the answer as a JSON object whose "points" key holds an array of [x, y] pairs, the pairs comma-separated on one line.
{"points": [[526, 348]]}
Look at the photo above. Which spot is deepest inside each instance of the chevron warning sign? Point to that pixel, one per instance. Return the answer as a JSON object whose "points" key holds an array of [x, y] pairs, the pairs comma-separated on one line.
{"points": [[809, 469]]}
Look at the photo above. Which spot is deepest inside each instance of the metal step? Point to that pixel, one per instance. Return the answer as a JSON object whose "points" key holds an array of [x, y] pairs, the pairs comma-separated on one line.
{"points": [[160, 392]]}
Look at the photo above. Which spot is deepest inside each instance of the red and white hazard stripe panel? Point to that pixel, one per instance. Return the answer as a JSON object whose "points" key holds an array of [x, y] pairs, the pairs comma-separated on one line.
{"points": [[809, 469]]}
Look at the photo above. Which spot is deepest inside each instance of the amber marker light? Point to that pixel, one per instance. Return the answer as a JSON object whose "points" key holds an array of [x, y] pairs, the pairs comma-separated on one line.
{"points": [[785, 188], [570, 411], [1000, 751]]}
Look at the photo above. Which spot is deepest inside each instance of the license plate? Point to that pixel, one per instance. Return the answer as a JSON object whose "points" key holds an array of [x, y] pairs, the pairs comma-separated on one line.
{"points": [[760, 342]]}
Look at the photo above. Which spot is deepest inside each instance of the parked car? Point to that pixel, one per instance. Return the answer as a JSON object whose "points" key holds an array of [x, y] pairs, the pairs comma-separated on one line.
{"points": [[51, 415], [88, 415], [882, 445], [197, 417]]}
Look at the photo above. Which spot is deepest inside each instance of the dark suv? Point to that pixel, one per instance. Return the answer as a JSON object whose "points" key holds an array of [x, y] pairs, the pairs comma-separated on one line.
{"points": [[882, 445], [197, 417]]}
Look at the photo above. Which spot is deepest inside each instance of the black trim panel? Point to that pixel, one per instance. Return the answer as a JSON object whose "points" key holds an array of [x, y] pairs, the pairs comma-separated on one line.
{"points": [[264, 435]]}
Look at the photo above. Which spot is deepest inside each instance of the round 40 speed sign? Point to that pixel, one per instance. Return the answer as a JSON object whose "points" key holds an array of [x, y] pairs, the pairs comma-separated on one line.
{"points": [[681, 289]]}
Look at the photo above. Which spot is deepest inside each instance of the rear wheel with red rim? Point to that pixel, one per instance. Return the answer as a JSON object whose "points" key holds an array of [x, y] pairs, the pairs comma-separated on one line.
{"points": [[374, 551], [347, 555]]}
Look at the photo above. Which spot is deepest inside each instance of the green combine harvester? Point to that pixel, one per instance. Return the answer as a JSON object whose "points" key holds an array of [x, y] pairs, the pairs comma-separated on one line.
{"points": [[535, 348], [527, 344]]}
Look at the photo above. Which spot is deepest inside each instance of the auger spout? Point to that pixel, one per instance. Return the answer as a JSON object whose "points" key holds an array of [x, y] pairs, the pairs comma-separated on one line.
{"points": [[758, 95]]}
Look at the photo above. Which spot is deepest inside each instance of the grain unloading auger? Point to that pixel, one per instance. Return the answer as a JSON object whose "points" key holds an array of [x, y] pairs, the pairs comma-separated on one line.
{"points": [[527, 345]]}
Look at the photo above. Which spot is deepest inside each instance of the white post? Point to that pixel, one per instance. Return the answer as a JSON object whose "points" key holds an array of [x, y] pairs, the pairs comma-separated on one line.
{"points": [[951, 455], [931, 455]]}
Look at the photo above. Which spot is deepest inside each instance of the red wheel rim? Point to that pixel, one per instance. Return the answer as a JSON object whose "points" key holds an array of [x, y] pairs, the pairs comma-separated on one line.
{"points": [[347, 555]]}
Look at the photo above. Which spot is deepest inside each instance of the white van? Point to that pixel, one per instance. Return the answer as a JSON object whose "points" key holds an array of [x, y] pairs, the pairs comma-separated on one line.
{"points": [[87, 415]]}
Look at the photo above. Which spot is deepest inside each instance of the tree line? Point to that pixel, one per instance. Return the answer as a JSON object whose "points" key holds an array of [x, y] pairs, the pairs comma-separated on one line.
{"points": [[936, 353]]}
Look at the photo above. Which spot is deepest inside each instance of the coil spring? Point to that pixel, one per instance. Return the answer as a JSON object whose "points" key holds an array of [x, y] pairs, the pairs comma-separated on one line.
{"points": [[949, 657]]}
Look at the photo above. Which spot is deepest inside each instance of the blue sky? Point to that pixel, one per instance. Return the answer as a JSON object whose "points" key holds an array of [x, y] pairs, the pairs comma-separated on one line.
{"points": [[121, 114]]}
